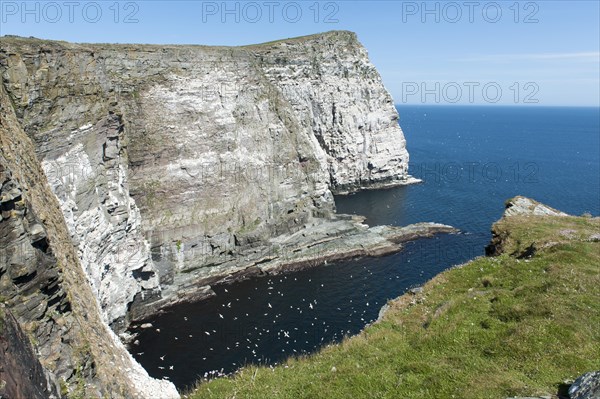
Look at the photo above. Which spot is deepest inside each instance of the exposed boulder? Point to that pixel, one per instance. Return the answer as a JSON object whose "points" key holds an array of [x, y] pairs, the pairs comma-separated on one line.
{"points": [[586, 386], [526, 206]]}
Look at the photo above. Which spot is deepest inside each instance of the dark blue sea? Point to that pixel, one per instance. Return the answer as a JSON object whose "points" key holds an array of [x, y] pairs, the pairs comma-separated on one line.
{"points": [[471, 159]]}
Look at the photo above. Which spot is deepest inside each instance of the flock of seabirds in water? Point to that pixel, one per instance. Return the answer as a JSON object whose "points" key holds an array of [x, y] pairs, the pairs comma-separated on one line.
{"points": [[292, 341]]}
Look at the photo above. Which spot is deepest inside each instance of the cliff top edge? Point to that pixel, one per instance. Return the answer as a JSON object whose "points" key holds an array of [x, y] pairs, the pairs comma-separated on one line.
{"points": [[21, 40]]}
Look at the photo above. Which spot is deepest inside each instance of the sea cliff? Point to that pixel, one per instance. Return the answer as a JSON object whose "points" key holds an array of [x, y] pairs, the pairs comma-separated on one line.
{"points": [[134, 176]]}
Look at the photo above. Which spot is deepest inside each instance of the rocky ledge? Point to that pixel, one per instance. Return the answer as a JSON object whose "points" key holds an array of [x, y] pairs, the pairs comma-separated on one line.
{"points": [[345, 237]]}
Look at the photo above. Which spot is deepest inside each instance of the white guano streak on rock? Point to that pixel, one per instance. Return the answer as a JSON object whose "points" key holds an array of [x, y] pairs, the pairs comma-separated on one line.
{"points": [[353, 115], [108, 235], [146, 386]]}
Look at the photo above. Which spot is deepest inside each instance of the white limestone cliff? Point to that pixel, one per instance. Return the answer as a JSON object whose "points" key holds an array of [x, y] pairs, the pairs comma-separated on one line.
{"points": [[175, 164]]}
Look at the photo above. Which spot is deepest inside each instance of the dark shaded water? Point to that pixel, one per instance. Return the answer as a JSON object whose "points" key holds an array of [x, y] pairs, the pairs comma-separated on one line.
{"points": [[269, 319], [471, 158]]}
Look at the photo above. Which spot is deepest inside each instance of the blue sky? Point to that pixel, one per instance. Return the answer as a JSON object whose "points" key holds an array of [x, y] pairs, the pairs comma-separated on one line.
{"points": [[437, 52]]}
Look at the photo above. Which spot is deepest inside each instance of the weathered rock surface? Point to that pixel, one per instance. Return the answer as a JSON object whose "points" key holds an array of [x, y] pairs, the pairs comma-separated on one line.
{"points": [[21, 374], [90, 180], [175, 164], [526, 206], [44, 286], [586, 387], [520, 206]]}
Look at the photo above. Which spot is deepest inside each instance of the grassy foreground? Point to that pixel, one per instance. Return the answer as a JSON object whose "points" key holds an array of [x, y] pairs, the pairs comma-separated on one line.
{"points": [[493, 328]]}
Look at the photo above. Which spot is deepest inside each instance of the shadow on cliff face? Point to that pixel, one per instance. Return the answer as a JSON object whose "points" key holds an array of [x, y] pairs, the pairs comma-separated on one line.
{"points": [[21, 374]]}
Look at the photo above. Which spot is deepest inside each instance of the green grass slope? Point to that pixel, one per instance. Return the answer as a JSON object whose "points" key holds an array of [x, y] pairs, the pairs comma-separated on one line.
{"points": [[492, 328]]}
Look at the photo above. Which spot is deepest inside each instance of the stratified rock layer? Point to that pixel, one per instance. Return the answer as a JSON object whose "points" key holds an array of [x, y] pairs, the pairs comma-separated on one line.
{"points": [[21, 374], [527, 207], [45, 288], [175, 164]]}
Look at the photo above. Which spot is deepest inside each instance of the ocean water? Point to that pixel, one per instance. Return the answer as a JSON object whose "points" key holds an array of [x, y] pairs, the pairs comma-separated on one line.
{"points": [[474, 158], [471, 160]]}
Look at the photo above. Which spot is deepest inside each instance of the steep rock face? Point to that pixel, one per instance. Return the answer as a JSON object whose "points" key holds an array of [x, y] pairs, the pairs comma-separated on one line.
{"points": [[196, 160], [21, 374], [44, 286], [90, 180], [339, 100], [30, 283]]}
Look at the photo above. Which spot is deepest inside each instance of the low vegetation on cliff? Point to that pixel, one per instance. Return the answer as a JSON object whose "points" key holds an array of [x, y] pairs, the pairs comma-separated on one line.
{"points": [[520, 323]]}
